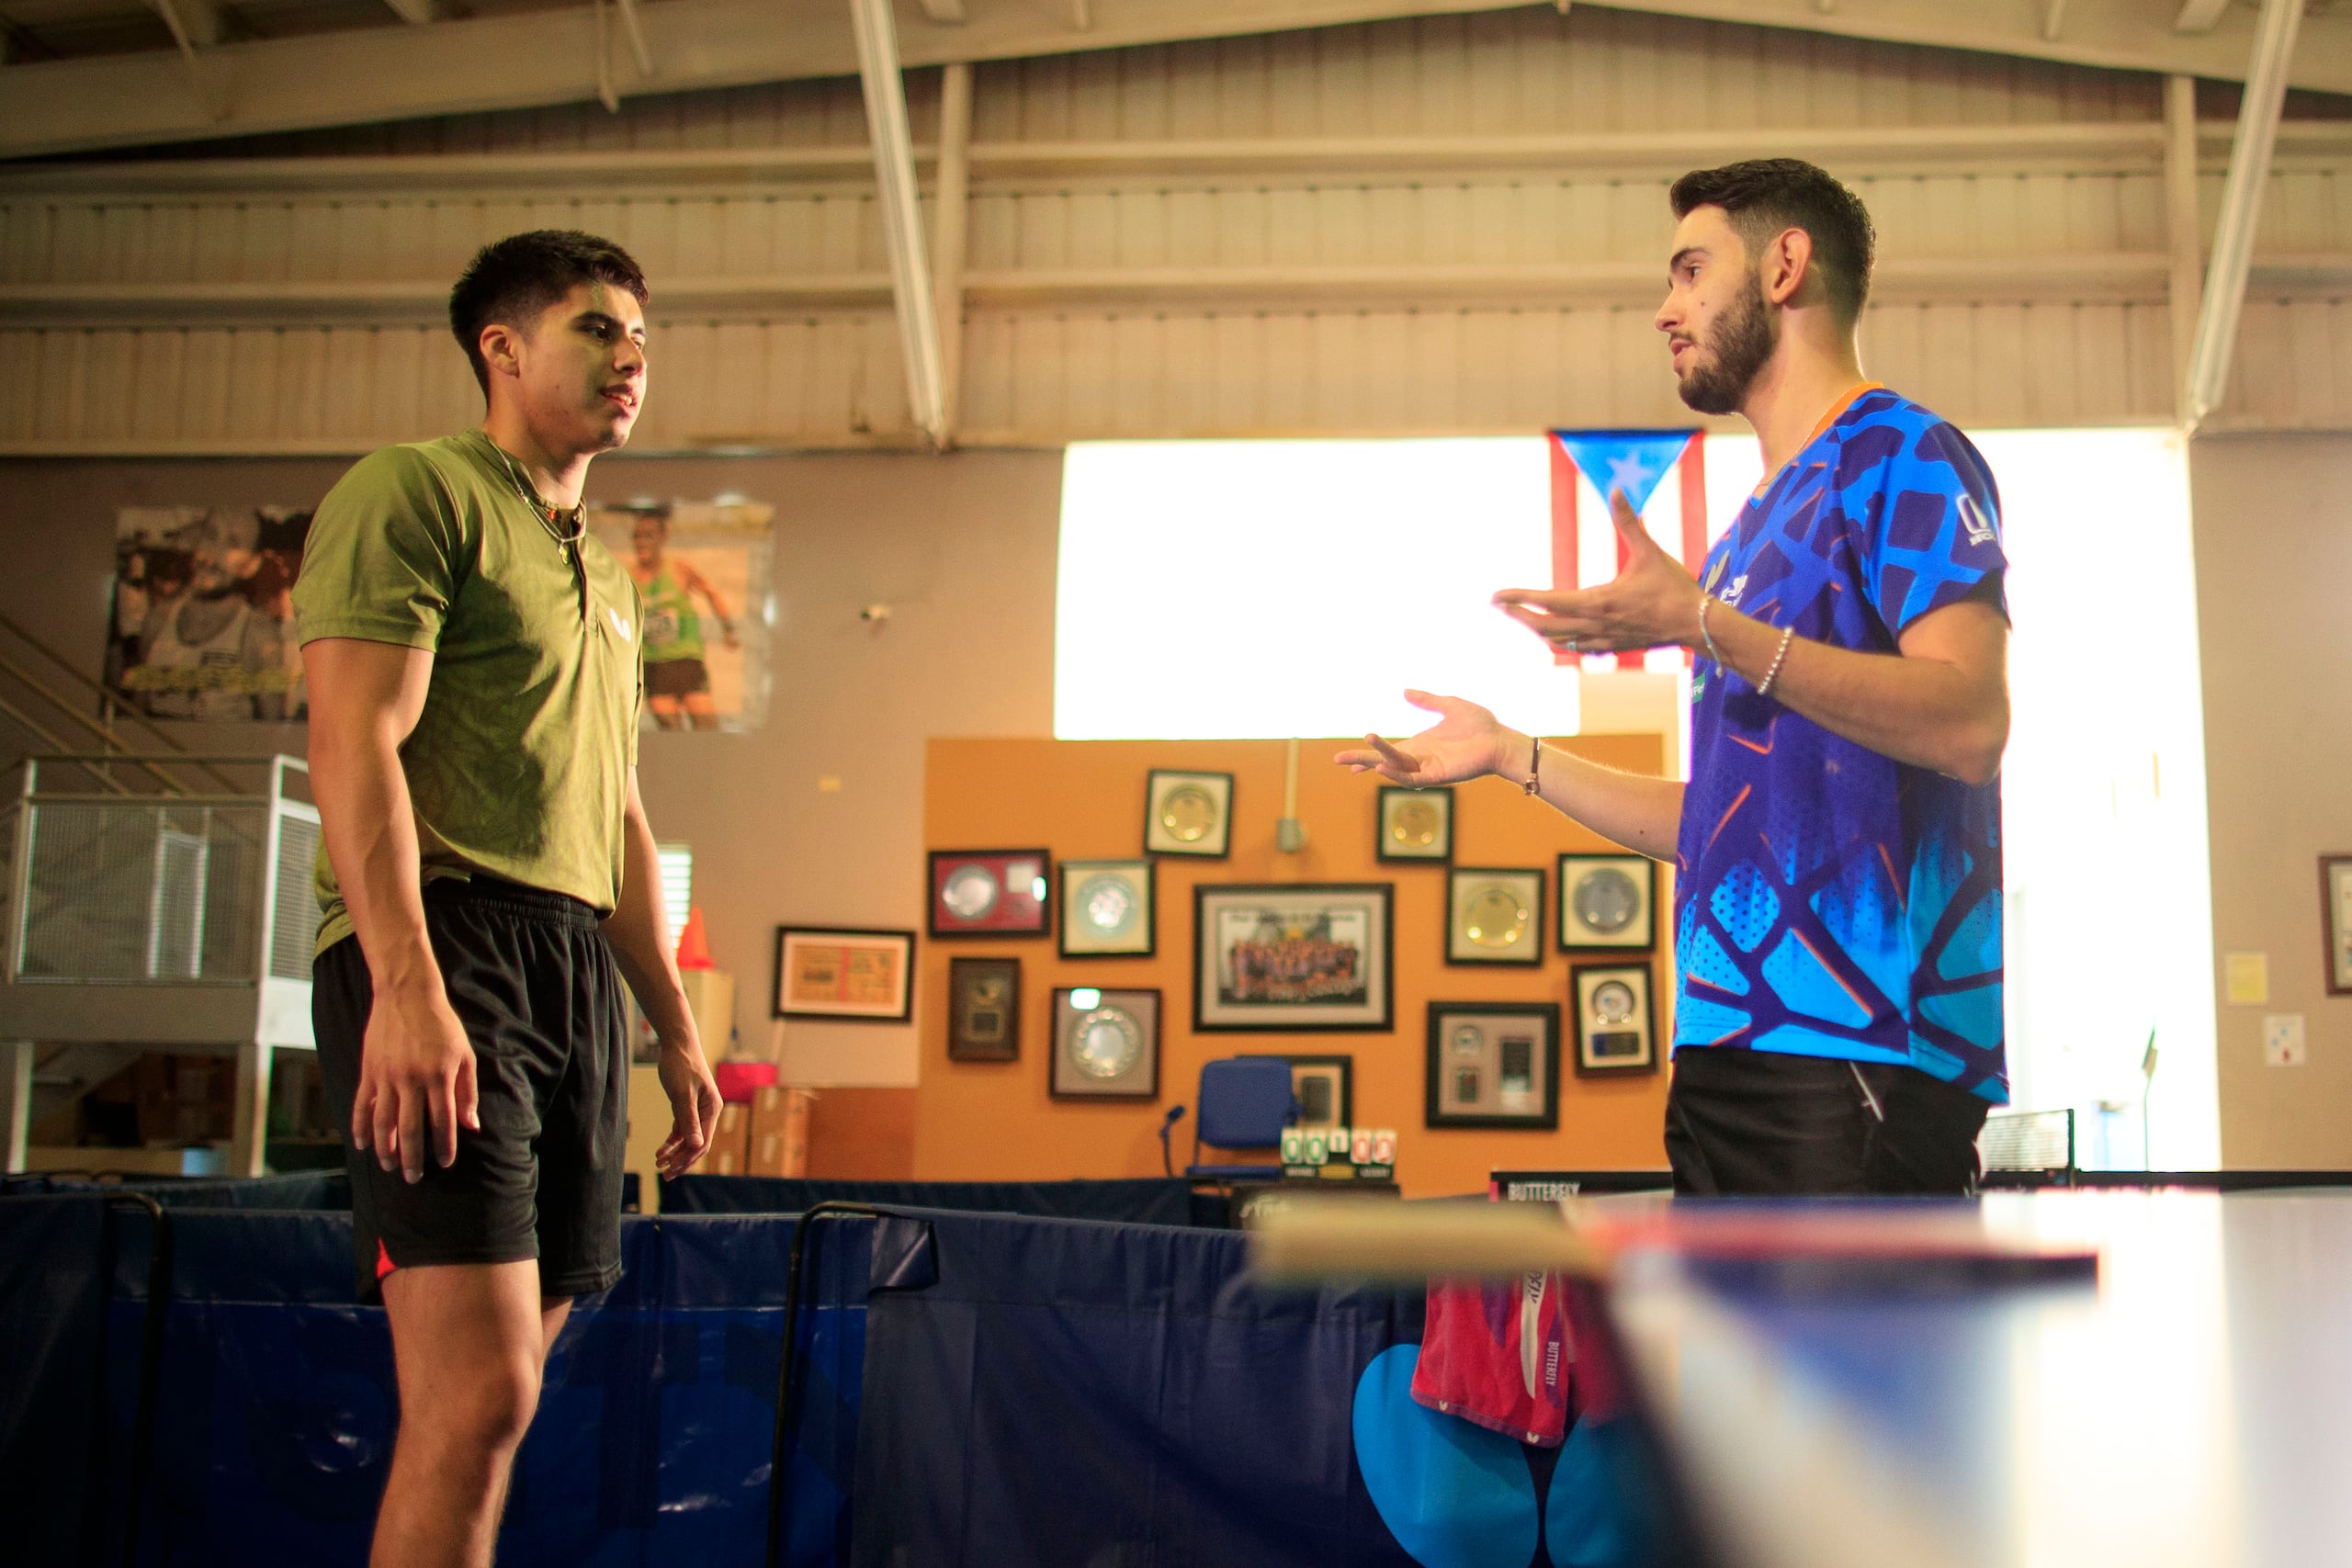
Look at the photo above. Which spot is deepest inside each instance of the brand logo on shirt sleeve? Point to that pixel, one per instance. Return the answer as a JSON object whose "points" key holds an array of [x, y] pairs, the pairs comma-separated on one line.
{"points": [[620, 625], [1973, 518]]}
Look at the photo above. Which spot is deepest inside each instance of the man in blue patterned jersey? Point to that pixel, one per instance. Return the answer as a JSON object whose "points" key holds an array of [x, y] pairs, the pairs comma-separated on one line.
{"points": [[1837, 910]]}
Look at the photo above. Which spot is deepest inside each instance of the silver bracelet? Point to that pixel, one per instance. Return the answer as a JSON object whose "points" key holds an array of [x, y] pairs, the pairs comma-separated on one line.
{"points": [[1774, 673], [1534, 765], [1705, 636]]}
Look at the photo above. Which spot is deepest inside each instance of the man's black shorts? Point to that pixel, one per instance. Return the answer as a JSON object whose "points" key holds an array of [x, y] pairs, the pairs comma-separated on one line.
{"points": [[531, 979], [1768, 1123], [676, 678]]}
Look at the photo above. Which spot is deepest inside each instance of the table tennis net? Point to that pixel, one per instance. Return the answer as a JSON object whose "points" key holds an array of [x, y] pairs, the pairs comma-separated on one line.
{"points": [[2028, 1140]]}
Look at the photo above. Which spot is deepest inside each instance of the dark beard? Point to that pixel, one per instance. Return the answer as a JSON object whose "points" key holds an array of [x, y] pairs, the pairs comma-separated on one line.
{"points": [[1738, 347]]}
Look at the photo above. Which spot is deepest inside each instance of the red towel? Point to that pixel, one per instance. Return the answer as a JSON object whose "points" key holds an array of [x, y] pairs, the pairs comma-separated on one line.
{"points": [[1506, 1356]]}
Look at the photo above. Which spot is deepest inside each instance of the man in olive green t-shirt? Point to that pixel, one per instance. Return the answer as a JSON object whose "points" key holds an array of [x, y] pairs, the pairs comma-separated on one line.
{"points": [[488, 877]]}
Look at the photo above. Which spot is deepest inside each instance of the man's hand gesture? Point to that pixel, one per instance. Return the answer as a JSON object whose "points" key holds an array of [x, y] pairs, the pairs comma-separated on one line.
{"points": [[694, 1106], [1465, 743], [1653, 602]]}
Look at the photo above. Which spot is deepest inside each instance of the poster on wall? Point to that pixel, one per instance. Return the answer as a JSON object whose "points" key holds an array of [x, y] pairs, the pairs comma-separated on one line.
{"points": [[203, 619], [702, 570]]}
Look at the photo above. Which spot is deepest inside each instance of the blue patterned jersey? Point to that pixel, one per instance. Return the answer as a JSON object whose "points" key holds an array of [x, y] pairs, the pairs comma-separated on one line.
{"points": [[1832, 901]]}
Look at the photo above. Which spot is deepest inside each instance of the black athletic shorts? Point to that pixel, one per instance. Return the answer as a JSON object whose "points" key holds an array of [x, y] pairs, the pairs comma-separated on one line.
{"points": [[530, 978], [1768, 1123], [676, 678]]}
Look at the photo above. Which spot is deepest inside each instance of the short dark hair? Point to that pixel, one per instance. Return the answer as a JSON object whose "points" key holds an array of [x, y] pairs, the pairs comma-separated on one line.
{"points": [[1764, 196], [514, 279]]}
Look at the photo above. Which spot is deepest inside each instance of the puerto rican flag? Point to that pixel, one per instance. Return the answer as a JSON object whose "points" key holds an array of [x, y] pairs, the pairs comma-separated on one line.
{"points": [[1586, 465]]}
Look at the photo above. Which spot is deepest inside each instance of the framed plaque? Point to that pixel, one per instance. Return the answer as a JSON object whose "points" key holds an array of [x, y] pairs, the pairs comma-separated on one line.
{"points": [[1493, 1065], [838, 973], [991, 893], [984, 1010], [1494, 915], [1608, 903], [1325, 1089], [1616, 1028], [1188, 814], [1106, 1045], [1107, 909], [1296, 956], [1415, 824], [2335, 920]]}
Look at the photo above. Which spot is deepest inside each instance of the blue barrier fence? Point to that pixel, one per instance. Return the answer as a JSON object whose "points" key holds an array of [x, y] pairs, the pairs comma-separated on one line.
{"points": [[984, 1389]]}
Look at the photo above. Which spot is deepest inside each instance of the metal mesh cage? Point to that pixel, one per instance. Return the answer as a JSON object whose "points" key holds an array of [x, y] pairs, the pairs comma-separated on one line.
{"points": [[2028, 1140], [295, 920], [139, 890]]}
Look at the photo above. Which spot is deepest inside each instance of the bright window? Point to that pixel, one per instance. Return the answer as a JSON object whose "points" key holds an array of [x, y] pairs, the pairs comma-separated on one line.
{"points": [[1272, 589]]}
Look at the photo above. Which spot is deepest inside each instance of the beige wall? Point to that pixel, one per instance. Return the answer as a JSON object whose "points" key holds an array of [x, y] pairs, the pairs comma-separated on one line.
{"points": [[961, 547], [2274, 556]]}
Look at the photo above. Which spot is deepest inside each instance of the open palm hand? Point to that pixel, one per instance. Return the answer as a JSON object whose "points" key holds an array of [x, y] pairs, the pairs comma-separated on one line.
{"points": [[1463, 744]]}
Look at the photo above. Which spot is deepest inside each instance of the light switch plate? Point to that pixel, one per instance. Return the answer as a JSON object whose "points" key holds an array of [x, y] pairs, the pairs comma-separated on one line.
{"points": [[2282, 1039]]}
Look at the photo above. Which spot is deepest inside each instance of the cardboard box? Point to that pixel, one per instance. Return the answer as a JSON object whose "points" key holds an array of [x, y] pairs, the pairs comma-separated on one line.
{"points": [[728, 1153], [780, 1130]]}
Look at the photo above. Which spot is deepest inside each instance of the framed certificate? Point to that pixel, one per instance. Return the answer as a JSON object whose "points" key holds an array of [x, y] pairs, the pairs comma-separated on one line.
{"points": [[1107, 909], [1415, 825], [1325, 1089], [837, 973], [1296, 956], [1188, 814], [2335, 920], [1615, 1026], [1493, 1065], [984, 1010], [991, 893], [1106, 1045], [1608, 903], [1494, 915]]}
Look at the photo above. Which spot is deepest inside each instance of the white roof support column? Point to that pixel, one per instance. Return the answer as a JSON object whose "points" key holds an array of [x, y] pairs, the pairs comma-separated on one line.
{"points": [[2184, 231], [894, 171], [948, 227], [2266, 91]]}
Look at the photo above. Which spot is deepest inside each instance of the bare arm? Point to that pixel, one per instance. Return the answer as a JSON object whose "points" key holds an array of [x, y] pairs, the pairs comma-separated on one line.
{"points": [[417, 1066], [695, 583], [1942, 703], [639, 937], [1644, 814]]}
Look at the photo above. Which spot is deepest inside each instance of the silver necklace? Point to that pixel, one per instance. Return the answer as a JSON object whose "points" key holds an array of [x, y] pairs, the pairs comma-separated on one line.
{"points": [[539, 509]]}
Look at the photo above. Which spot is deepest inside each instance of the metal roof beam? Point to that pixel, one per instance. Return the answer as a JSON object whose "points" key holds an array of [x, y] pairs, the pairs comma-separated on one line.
{"points": [[894, 171], [2225, 276], [534, 58], [2199, 16]]}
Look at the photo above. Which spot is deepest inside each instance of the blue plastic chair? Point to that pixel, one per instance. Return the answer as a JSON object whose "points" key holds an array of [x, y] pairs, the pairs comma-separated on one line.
{"points": [[1245, 1103]]}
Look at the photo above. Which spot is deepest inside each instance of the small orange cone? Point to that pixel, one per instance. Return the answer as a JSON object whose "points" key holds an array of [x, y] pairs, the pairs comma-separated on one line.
{"points": [[693, 947]]}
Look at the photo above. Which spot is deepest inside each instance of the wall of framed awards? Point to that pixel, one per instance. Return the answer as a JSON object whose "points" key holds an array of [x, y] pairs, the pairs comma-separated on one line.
{"points": [[1106, 916]]}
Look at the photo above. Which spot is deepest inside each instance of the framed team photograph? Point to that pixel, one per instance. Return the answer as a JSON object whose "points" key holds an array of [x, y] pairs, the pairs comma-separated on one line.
{"points": [[1616, 1028], [1494, 915], [1493, 1065], [1188, 814], [984, 1010], [1415, 824], [1608, 903], [1107, 909], [1292, 956], [991, 893], [1106, 1043], [847, 974]]}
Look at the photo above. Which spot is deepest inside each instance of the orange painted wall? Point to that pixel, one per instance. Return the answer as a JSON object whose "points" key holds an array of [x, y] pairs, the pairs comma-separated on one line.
{"points": [[1083, 800]]}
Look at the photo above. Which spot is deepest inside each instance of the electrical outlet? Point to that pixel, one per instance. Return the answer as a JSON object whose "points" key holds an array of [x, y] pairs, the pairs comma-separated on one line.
{"points": [[2282, 1039]]}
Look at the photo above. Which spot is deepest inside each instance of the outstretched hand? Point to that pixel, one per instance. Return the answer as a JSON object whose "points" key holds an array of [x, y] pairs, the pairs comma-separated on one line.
{"points": [[1465, 743], [1653, 602]]}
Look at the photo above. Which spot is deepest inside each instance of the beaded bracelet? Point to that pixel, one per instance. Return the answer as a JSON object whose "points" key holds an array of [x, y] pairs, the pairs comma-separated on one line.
{"points": [[1774, 673]]}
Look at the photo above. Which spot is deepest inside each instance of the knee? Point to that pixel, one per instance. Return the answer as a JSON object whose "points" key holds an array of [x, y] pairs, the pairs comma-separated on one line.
{"points": [[487, 1412]]}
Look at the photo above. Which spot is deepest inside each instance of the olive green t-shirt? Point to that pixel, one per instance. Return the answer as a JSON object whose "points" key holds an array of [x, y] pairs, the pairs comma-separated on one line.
{"points": [[518, 766]]}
